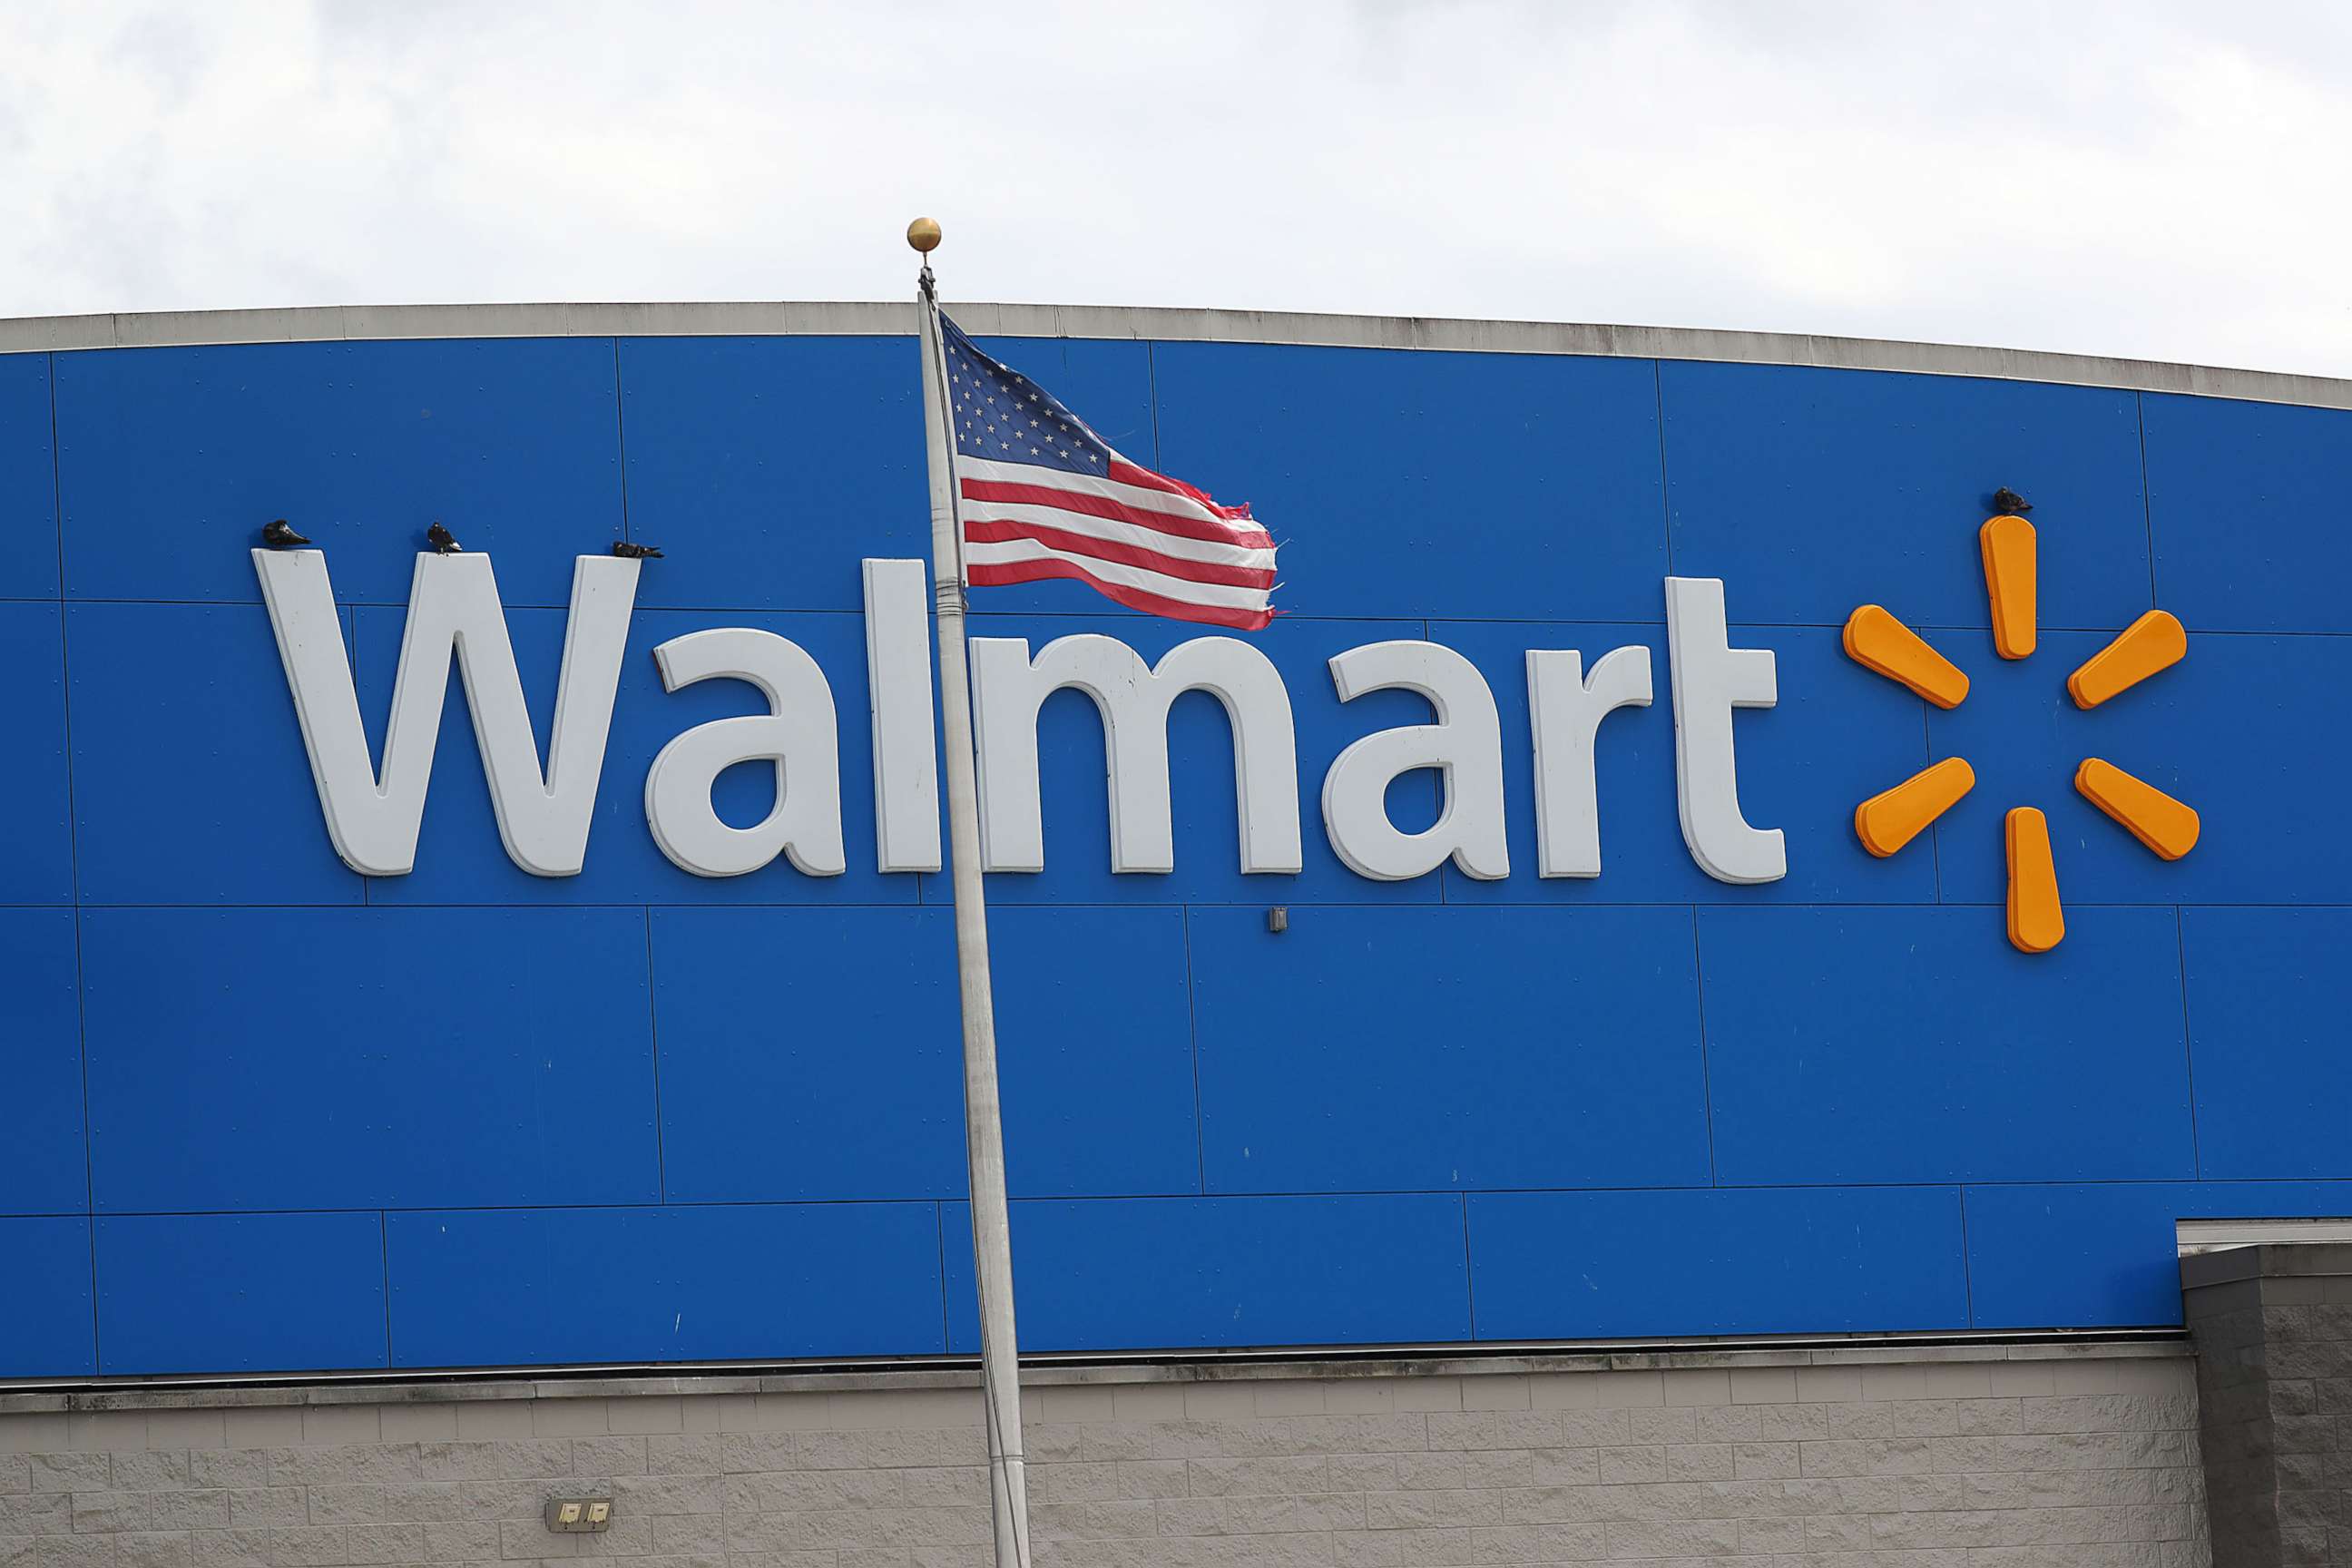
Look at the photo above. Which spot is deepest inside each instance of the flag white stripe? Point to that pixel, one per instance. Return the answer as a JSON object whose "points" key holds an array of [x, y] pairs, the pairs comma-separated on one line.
{"points": [[1136, 496], [1117, 532], [1014, 552]]}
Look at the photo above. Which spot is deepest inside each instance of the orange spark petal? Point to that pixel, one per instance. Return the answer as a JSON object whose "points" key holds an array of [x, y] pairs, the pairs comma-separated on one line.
{"points": [[2036, 921], [1878, 642], [1886, 823], [2008, 570], [2155, 641], [2166, 826]]}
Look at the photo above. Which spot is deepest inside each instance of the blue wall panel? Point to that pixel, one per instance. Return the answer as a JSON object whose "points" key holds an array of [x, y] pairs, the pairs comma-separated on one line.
{"points": [[2269, 994], [817, 1054], [44, 1163], [28, 480], [2042, 1256], [1607, 1265], [1170, 1273], [1491, 485], [240, 1292], [2246, 505], [288, 1058], [45, 1311], [1449, 1048], [170, 462], [191, 784], [37, 850], [765, 468], [742, 1282], [1918, 1046], [1812, 491]]}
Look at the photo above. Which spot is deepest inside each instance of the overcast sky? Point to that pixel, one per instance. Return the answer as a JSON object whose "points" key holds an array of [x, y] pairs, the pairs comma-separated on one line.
{"points": [[2151, 179]]}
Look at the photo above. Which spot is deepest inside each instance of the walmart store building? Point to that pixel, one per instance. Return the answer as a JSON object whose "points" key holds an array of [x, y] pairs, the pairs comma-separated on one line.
{"points": [[1472, 1218]]}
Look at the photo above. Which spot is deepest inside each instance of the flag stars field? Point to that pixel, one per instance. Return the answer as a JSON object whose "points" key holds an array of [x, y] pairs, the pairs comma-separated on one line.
{"points": [[1879, 642]]}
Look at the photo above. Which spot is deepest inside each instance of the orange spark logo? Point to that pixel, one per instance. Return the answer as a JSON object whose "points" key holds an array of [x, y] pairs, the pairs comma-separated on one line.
{"points": [[1884, 823]]}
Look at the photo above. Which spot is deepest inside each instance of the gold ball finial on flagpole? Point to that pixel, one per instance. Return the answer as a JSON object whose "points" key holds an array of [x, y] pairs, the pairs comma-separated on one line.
{"points": [[923, 234]]}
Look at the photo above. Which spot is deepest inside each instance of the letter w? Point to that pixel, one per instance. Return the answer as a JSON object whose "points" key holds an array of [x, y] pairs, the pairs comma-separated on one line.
{"points": [[453, 603]]}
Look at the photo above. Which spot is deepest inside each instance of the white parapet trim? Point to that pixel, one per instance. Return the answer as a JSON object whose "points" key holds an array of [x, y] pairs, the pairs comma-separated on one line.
{"points": [[341, 323]]}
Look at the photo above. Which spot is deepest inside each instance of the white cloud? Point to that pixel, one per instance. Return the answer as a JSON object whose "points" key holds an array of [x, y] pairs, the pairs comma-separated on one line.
{"points": [[2154, 179]]}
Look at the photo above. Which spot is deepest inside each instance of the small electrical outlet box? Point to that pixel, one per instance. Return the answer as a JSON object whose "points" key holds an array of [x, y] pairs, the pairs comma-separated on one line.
{"points": [[576, 1515]]}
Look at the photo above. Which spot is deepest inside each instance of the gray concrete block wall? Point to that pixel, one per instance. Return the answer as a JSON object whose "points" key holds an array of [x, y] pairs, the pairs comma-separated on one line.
{"points": [[2062, 1463], [2272, 1326]]}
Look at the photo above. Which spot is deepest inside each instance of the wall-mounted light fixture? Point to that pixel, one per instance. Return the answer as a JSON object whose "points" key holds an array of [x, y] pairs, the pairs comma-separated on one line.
{"points": [[576, 1515]]}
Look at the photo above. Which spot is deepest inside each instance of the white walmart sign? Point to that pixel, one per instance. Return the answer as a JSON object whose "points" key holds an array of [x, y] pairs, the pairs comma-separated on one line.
{"points": [[374, 815]]}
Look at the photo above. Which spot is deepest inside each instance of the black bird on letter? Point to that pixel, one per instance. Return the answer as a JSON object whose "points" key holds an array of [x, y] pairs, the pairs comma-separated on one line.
{"points": [[444, 543], [628, 552], [279, 536], [2008, 503]]}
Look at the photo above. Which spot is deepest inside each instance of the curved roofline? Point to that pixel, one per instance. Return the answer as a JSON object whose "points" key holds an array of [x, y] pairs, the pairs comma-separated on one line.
{"points": [[337, 323]]}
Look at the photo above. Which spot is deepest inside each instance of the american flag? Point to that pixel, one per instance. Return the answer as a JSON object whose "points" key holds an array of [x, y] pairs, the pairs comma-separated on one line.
{"points": [[1044, 496]]}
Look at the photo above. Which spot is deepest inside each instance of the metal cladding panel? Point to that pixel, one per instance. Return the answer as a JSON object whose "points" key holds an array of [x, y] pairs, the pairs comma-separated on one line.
{"points": [[28, 480], [1915, 1045], [1602, 1265], [2246, 504], [1812, 491], [520, 1286], [2040, 1257], [190, 785], [245, 1060], [2248, 730], [594, 1116], [1834, 737], [172, 460], [1178, 1273], [2269, 992], [251, 1292], [45, 1328], [1073, 776], [1449, 1049], [44, 1160], [815, 1054], [1493, 486], [36, 849], [766, 466]]}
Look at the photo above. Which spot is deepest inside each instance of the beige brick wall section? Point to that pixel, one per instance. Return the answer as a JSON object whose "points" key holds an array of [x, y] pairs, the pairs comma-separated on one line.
{"points": [[2085, 1463]]}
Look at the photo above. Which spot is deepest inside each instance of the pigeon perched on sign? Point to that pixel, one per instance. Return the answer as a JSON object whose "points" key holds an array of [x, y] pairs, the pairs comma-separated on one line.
{"points": [[278, 535], [628, 552], [444, 543], [2010, 503]]}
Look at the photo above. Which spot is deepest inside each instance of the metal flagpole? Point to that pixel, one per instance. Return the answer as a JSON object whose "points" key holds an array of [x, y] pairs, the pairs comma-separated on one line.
{"points": [[992, 1226]]}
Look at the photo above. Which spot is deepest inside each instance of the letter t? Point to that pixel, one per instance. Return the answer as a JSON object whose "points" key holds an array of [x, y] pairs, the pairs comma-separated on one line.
{"points": [[1710, 679]]}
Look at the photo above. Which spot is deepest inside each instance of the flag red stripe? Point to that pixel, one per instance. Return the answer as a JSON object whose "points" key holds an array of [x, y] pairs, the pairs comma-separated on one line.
{"points": [[997, 576], [994, 530], [1127, 473], [1103, 506]]}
